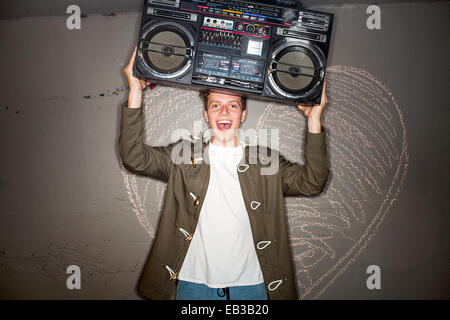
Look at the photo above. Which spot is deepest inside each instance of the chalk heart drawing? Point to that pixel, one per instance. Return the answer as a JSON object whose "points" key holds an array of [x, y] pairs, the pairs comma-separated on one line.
{"points": [[368, 158]]}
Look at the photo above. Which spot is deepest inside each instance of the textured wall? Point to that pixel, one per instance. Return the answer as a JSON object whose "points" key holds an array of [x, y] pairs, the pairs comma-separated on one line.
{"points": [[65, 199]]}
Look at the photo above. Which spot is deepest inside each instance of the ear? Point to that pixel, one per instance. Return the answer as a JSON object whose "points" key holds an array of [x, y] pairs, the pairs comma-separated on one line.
{"points": [[206, 115], [243, 115]]}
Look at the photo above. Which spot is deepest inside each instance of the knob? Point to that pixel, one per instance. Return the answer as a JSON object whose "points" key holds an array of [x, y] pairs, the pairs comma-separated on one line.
{"points": [[250, 28], [289, 15]]}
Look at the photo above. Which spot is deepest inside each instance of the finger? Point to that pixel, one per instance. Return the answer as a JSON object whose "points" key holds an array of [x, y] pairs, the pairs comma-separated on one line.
{"points": [[304, 107], [133, 56], [324, 99]]}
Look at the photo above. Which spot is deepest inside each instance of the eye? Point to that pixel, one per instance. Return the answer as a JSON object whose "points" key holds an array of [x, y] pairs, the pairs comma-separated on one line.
{"points": [[214, 106], [234, 106]]}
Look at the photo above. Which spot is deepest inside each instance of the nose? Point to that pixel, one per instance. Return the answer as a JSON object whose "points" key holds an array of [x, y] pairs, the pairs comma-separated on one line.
{"points": [[224, 109]]}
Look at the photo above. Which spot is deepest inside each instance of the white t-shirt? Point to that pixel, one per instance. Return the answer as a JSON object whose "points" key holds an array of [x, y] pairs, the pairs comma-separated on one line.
{"points": [[222, 253]]}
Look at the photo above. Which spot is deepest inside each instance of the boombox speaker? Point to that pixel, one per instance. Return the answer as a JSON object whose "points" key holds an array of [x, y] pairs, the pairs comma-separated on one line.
{"points": [[267, 49]]}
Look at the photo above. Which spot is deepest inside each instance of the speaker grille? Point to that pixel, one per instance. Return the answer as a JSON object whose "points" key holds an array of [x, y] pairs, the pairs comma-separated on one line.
{"points": [[166, 50], [295, 70]]}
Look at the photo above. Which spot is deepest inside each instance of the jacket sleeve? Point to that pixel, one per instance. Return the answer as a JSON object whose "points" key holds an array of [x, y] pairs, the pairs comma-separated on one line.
{"points": [[136, 156], [310, 178]]}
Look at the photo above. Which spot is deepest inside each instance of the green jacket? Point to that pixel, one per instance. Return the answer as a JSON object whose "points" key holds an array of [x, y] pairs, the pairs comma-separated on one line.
{"points": [[186, 188]]}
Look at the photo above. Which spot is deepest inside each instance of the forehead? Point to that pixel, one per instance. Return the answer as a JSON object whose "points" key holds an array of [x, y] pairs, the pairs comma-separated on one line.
{"points": [[223, 98]]}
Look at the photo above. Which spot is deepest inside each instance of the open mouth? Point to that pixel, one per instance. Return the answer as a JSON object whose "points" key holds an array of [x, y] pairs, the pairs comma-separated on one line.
{"points": [[224, 124]]}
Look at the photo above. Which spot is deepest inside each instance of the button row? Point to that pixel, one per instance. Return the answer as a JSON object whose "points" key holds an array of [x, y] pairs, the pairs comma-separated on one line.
{"points": [[221, 38], [250, 28]]}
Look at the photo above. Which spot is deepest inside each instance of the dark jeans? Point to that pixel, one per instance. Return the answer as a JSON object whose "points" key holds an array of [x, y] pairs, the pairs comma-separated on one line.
{"points": [[193, 291]]}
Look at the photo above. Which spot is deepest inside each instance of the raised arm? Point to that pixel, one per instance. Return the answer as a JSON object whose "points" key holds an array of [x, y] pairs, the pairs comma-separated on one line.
{"points": [[136, 156], [310, 178]]}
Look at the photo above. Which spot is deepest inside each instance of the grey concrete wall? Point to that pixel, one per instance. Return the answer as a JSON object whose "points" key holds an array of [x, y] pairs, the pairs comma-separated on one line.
{"points": [[66, 200], [30, 8]]}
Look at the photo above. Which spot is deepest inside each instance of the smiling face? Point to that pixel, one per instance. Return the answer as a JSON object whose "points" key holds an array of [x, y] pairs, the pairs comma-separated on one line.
{"points": [[224, 115]]}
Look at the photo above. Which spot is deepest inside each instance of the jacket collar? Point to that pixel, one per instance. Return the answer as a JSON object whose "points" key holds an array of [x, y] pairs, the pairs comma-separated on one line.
{"points": [[200, 150]]}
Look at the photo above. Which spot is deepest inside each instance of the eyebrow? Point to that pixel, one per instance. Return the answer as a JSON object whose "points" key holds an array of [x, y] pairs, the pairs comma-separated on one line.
{"points": [[214, 101]]}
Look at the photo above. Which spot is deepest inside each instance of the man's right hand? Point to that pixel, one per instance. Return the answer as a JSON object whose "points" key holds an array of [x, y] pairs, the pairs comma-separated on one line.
{"points": [[136, 85]]}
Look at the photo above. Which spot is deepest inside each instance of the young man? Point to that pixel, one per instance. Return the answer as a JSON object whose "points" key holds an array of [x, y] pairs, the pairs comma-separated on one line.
{"points": [[222, 232]]}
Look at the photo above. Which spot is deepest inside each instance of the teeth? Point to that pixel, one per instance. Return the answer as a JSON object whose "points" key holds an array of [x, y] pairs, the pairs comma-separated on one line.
{"points": [[224, 121]]}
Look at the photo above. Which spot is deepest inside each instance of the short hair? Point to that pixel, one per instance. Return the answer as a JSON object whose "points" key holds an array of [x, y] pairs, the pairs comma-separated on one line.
{"points": [[204, 94]]}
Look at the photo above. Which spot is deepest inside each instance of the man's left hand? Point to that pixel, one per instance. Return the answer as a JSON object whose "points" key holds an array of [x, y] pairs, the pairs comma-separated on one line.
{"points": [[313, 112]]}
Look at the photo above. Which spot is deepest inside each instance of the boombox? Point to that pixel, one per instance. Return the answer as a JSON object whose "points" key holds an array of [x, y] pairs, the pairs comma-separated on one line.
{"points": [[266, 49]]}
